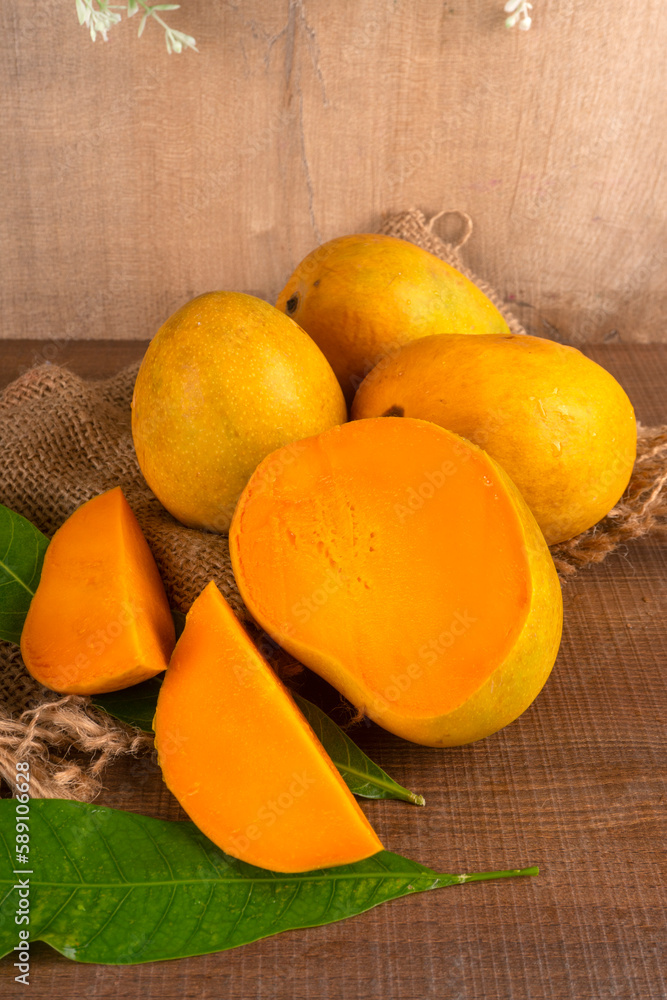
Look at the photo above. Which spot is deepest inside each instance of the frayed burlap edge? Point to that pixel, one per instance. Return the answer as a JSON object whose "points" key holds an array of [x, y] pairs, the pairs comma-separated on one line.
{"points": [[52, 735], [68, 742], [641, 509]]}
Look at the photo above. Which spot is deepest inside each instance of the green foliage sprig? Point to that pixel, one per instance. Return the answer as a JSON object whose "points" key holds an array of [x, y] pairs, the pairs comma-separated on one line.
{"points": [[99, 17]]}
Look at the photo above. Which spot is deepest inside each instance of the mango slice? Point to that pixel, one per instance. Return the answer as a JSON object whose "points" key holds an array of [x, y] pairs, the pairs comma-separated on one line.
{"points": [[400, 563], [241, 759], [100, 619]]}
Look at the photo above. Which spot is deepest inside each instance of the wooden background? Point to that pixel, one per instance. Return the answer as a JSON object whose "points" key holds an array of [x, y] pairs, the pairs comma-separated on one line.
{"points": [[575, 785], [132, 180]]}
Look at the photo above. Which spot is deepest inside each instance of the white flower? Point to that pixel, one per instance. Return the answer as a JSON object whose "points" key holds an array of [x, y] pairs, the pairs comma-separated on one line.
{"points": [[100, 15], [96, 20], [518, 11]]}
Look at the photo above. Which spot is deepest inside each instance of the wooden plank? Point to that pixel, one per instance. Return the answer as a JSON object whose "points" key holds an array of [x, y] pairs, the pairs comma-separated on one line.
{"points": [[576, 785], [135, 180], [89, 358]]}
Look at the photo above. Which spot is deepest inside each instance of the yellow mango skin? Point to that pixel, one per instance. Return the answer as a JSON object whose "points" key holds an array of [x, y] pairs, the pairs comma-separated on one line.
{"points": [[224, 382], [501, 697], [362, 297], [559, 424]]}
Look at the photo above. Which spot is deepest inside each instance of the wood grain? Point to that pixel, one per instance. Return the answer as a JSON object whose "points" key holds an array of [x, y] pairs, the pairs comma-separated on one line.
{"points": [[576, 785], [133, 180]]}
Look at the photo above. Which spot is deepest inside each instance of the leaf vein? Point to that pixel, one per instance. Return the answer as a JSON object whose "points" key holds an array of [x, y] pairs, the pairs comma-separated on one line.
{"points": [[243, 909], [73, 893], [331, 898], [5, 844], [107, 921], [112, 855], [386, 873], [68, 857], [159, 850], [200, 921], [166, 910], [281, 915]]}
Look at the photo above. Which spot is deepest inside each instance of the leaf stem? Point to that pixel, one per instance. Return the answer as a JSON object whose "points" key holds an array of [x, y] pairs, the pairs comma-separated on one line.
{"points": [[485, 876]]}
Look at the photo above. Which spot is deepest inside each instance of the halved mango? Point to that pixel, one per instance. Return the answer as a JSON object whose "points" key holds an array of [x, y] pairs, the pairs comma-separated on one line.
{"points": [[399, 562], [100, 619], [241, 759]]}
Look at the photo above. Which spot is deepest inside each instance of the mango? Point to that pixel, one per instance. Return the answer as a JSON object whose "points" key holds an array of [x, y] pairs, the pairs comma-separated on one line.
{"points": [[400, 563], [241, 758], [362, 297], [561, 426], [100, 619], [224, 382]]}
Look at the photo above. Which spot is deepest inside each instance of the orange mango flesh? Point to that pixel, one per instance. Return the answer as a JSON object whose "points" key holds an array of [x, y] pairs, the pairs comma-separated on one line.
{"points": [[241, 759], [398, 561], [100, 619]]}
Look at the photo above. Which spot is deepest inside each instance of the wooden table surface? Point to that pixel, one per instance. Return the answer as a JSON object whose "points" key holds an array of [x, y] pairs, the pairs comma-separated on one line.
{"points": [[576, 786]]}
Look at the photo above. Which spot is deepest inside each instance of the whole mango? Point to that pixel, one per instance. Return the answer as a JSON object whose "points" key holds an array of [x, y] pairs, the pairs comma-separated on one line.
{"points": [[362, 297], [224, 382], [559, 424]]}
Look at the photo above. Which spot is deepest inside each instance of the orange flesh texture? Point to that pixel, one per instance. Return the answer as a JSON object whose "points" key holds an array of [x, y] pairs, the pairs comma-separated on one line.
{"points": [[361, 297], [393, 552], [100, 619], [242, 760]]}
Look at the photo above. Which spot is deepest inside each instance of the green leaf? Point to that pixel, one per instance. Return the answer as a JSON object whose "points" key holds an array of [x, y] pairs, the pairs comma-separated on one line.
{"points": [[22, 548], [361, 775], [136, 706], [179, 621], [117, 888]]}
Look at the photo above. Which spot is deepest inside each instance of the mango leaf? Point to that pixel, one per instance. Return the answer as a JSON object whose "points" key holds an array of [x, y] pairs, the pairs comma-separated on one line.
{"points": [[117, 888], [360, 774], [179, 621], [22, 548], [136, 706]]}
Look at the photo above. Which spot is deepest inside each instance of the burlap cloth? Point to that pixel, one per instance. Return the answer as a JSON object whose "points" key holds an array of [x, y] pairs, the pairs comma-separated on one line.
{"points": [[64, 439]]}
